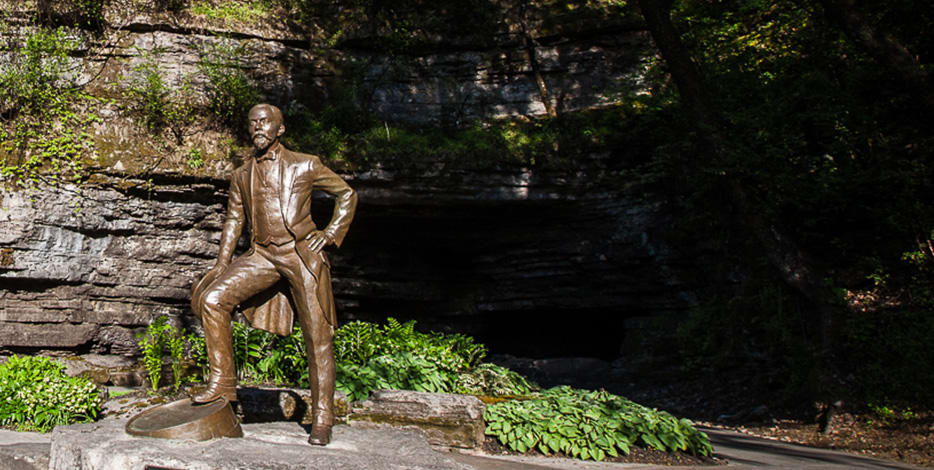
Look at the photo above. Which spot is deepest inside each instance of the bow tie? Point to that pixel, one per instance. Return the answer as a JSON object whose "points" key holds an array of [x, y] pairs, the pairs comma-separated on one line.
{"points": [[270, 156]]}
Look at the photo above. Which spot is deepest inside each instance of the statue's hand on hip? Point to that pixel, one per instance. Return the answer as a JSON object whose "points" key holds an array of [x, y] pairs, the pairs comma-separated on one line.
{"points": [[317, 240]]}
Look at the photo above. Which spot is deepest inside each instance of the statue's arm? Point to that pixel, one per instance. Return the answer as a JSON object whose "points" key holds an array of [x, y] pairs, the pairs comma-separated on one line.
{"points": [[233, 225], [345, 204]]}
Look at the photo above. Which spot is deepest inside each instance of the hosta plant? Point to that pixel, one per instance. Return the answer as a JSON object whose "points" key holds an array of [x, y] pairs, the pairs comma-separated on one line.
{"points": [[589, 425], [36, 395]]}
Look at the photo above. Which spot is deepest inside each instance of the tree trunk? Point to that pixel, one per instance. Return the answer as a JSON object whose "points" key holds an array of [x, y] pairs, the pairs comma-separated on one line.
{"points": [[791, 262], [530, 49], [884, 48]]}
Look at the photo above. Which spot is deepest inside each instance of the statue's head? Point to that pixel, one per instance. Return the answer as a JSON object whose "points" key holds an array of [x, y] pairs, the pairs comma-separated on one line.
{"points": [[265, 125]]}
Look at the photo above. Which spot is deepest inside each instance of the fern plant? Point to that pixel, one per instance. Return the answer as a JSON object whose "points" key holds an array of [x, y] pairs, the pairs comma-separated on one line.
{"points": [[151, 343], [160, 338]]}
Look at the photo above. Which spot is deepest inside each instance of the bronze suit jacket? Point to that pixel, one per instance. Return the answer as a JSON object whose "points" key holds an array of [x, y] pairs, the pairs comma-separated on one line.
{"points": [[299, 175]]}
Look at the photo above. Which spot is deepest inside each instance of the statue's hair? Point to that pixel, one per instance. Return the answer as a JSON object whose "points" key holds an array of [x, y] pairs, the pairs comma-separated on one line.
{"points": [[272, 109]]}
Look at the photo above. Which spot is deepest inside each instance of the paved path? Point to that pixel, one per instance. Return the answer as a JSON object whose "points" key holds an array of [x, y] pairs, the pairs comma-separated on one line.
{"points": [[743, 452]]}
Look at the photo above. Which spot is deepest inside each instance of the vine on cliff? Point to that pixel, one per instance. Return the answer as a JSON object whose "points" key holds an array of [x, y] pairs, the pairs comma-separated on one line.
{"points": [[44, 138]]}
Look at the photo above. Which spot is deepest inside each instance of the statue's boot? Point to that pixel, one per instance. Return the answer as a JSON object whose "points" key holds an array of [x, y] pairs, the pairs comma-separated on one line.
{"points": [[322, 375], [320, 435], [223, 387], [219, 343]]}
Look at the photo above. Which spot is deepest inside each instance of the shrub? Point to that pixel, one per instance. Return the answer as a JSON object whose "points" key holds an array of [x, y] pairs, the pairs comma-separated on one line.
{"points": [[359, 342], [230, 91], [369, 357], [395, 356], [400, 371], [589, 425], [36, 395], [493, 380], [159, 106]]}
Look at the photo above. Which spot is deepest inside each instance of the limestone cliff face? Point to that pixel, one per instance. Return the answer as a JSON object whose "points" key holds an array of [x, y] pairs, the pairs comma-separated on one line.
{"points": [[530, 261]]}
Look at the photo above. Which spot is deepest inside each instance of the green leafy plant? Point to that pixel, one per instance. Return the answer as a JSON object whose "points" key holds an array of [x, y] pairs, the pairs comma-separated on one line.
{"points": [[160, 338], [152, 345], [359, 342], [176, 346], [195, 160], [493, 380], [43, 138], [263, 357], [369, 357], [198, 353], [578, 423], [36, 395], [401, 371], [230, 91], [159, 106], [396, 356], [238, 11], [589, 425]]}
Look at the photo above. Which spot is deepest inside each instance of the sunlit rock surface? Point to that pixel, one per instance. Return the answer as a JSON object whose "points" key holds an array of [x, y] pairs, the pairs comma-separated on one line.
{"points": [[530, 261]]}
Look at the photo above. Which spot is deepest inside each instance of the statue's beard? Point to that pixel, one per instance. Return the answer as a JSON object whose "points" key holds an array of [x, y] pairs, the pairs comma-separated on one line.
{"points": [[261, 142]]}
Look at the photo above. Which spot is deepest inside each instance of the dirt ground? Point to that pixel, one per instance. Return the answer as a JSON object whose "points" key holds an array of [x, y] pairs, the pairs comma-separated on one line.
{"points": [[903, 435], [909, 440]]}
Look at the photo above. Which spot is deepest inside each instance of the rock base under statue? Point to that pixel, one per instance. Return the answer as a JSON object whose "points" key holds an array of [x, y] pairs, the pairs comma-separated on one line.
{"points": [[184, 419], [281, 445]]}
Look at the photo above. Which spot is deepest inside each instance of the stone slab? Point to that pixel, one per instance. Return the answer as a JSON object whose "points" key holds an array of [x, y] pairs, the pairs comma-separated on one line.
{"points": [[446, 420], [24, 450], [24, 456], [281, 446]]}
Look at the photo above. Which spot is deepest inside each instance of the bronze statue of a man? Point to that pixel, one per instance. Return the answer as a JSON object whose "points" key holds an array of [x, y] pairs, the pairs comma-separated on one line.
{"points": [[285, 273]]}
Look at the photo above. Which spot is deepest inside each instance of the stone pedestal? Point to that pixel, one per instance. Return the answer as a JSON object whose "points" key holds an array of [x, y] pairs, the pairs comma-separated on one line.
{"points": [[282, 446]]}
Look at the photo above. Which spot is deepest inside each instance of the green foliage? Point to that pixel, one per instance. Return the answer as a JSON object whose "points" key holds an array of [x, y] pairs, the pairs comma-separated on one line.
{"points": [[396, 356], [198, 353], [833, 156], [159, 106], [36, 395], [493, 380], [260, 356], [85, 14], [589, 425], [152, 346], [42, 136], [578, 423], [195, 160], [34, 76], [230, 91], [403, 26], [227, 10], [343, 133], [399, 371], [358, 342], [90, 13], [888, 349], [263, 357], [369, 357], [159, 339]]}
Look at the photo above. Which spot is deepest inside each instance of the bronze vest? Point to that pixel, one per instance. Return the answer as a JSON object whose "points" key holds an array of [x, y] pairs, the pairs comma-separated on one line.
{"points": [[268, 224]]}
